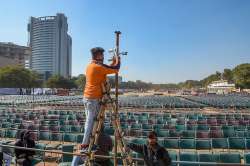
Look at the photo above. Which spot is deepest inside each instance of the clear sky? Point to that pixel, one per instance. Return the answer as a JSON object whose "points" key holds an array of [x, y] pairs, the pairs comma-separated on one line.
{"points": [[167, 40]]}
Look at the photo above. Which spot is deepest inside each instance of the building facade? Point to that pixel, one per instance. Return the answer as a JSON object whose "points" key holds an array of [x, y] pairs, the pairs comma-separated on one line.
{"points": [[12, 54], [51, 45], [220, 87]]}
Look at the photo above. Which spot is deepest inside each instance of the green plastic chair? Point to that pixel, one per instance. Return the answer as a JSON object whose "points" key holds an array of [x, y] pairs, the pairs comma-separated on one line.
{"points": [[35, 161], [162, 133], [11, 133], [229, 133], [79, 138], [247, 158], [147, 127], [66, 158], [56, 137], [188, 157], [203, 127], [139, 141], [44, 135], [171, 143], [76, 129], [65, 128], [180, 127], [6, 125], [209, 157], [230, 158], [39, 155], [188, 134], [69, 137], [187, 144], [203, 144], [237, 143], [174, 156], [220, 143], [136, 126]]}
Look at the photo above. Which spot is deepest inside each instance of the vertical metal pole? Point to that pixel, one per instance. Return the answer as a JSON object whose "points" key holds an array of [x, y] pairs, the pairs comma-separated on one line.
{"points": [[117, 33], [33, 98]]}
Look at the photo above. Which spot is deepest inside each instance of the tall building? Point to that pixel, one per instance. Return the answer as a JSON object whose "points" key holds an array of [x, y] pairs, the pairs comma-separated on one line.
{"points": [[12, 54], [51, 45]]}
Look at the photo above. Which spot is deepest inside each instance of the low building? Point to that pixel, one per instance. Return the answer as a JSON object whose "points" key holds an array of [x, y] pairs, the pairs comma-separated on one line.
{"points": [[220, 87], [12, 54]]}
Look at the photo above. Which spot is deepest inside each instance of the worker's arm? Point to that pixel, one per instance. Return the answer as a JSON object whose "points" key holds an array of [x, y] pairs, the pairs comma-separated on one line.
{"points": [[113, 68], [165, 156], [19, 152], [135, 147]]}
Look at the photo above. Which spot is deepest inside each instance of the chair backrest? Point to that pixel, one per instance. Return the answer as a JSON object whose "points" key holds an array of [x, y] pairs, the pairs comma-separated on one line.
{"points": [[202, 144], [187, 143], [221, 143], [56, 136], [184, 156], [67, 157], [247, 158], [208, 157], [69, 137], [230, 158], [171, 143], [44, 135]]}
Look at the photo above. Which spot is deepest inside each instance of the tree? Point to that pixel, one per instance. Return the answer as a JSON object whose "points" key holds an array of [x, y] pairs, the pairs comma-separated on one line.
{"points": [[57, 81], [241, 75], [81, 81], [189, 84], [228, 75], [211, 78], [18, 77]]}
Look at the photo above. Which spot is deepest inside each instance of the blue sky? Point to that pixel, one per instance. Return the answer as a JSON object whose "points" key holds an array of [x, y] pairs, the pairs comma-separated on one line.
{"points": [[167, 40]]}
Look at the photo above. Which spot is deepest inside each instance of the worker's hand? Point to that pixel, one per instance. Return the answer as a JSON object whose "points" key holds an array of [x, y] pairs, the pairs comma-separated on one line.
{"points": [[22, 155], [115, 60], [30, 157], [127, 149]]}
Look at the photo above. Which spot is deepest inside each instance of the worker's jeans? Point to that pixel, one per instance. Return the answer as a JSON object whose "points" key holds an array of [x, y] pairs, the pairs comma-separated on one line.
{"points": [[92, 108]]}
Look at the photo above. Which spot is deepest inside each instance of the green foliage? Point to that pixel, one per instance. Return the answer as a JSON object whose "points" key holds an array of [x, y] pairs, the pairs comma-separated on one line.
{"points": [[164, 86], [57, 81], [241, 75], [228, 75], [18, 77], [189, 84], [80, 81], [211, 78]]}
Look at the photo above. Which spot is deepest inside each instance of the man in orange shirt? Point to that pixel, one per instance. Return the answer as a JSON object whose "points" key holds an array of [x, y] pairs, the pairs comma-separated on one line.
{"points": [[96, 73]]}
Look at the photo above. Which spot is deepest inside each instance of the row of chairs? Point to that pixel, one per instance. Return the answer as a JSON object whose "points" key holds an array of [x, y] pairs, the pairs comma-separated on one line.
{"points": [[222, 157], [189, 133], [165, 133], [222, 101], [141, 101], [157, 102], [44, 135], [201, 144]]}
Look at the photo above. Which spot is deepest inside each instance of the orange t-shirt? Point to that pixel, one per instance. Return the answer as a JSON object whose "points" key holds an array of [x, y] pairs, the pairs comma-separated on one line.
{"points": [[95, 76]]}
